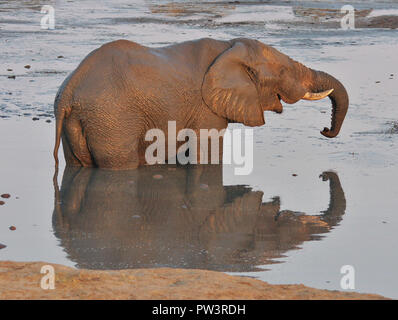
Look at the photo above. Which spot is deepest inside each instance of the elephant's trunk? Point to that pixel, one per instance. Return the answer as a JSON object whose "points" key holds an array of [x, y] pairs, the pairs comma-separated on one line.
{"points": [[337, 203], [321, 81]]}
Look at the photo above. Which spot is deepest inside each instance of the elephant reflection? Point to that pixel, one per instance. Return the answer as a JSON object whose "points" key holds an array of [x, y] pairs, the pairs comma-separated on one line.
{"points": [[178, 217]]}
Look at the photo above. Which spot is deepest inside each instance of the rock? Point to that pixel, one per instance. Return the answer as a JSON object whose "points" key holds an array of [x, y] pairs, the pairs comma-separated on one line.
{"points": [[383, 21], [12, 228], [294, 174], [35, 118], [2, 246], [27, 66], [48, 121], [20, 280], [60, 57], [5, 195], [9, 69], [11, 77], [2, 203]]}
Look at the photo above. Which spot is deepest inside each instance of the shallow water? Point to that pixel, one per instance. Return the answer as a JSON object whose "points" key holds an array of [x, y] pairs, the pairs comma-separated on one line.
{"points": [[271, 225]]}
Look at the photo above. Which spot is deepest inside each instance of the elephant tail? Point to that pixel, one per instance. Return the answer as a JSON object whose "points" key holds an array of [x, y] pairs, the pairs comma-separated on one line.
{"points": [[60, 115]]}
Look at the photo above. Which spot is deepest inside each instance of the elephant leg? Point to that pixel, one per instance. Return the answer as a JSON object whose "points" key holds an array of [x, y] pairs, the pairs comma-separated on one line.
{"points": [[77, 143], [70, 159], [210, 151], [113, 151], [73, 194], [210, 132]]}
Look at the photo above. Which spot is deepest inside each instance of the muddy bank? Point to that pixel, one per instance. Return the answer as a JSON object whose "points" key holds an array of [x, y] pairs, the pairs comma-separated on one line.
{"points": [[216, 15], [212, 14], [330, 18], [21, 280]]}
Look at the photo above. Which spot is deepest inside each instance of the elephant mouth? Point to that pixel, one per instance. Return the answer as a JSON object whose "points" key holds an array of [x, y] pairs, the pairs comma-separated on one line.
{"points": [[274, 105], [279, 110]]}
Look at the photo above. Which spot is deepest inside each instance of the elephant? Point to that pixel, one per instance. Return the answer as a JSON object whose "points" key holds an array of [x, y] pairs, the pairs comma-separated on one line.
{"points": [[179, 216], [121, 90]]}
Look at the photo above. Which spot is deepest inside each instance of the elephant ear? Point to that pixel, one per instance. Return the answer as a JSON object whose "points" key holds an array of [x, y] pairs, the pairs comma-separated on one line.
{"points": [[228, 89]]}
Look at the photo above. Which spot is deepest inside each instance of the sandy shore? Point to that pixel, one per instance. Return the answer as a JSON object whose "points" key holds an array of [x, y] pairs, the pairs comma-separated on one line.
{"points": [[21, 280]]}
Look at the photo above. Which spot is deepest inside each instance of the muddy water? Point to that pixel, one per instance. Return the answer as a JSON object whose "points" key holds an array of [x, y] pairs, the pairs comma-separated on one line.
{"points": [[310, 206]]}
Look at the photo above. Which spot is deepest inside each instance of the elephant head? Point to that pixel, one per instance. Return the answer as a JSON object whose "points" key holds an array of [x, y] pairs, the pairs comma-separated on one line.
{"points": [[179, 217], [250, 78]]}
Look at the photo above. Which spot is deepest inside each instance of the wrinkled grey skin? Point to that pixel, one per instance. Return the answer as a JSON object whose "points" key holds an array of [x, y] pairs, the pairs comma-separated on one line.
{"points": [[121, 90]]}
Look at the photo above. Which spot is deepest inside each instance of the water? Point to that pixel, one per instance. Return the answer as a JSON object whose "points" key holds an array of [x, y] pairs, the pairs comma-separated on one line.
{"points": [[270, 224]]}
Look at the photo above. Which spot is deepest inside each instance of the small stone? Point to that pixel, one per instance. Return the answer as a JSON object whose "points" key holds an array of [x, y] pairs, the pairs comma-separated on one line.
{"points": [[158, 176], [35, 118], [377, 81], [2, 203], [5, 195], [2, 246], [60, 57], [48, 121], [11, 77], [27, 66], [9, 69], [294, 175], [12, 228]]}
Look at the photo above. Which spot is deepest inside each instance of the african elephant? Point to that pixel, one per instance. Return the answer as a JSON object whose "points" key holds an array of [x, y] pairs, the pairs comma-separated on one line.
{"points": [[122, 89], [179, 216]]}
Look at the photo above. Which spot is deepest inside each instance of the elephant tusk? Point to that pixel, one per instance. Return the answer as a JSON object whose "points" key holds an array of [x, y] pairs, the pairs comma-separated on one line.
{"points": [[318, 95]]}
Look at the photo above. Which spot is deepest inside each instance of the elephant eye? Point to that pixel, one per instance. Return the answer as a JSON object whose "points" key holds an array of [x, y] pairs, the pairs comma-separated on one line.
{"points": [[252, 73]]}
